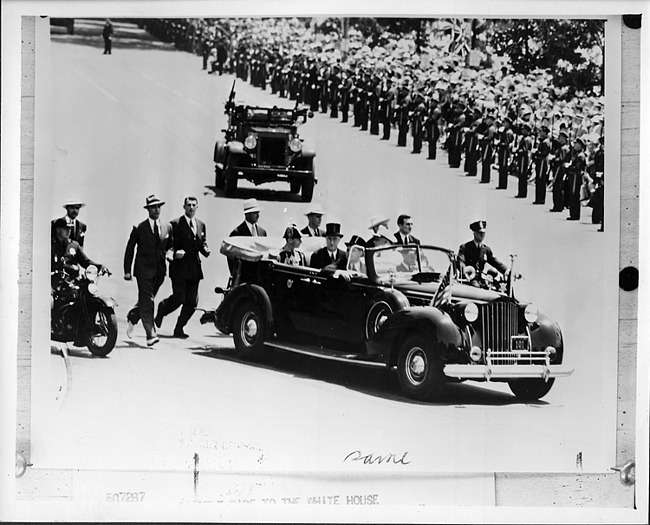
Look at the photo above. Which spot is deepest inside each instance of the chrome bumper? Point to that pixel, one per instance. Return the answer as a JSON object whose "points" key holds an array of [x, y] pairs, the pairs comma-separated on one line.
{"points": [[488, 372]]}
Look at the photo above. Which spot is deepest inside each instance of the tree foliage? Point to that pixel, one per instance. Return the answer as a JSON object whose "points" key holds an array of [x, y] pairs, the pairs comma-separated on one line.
{"points": [[570, 49]]}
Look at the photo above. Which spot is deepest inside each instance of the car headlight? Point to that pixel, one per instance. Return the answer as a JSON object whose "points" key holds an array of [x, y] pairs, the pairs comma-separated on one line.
{"points": [[92, 289], [250, 142], [91, 272], [470, 312], [295, 145], [531, 314]]}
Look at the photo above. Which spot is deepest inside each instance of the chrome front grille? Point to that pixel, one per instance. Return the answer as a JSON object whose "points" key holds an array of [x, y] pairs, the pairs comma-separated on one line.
{"points": [[499, 322]]}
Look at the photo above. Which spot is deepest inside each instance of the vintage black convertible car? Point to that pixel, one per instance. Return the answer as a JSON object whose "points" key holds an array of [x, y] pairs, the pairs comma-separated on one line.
{"points": [[385, 317], [263, 145]]}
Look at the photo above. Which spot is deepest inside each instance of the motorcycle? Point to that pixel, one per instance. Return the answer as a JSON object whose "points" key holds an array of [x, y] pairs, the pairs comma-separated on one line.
{"points": [[79, 314]]}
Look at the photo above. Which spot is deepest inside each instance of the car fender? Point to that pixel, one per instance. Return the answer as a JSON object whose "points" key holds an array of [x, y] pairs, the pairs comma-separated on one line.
{"points": [[437, 326], [308, 152], [392, 300], [236, 148], [546, 332], [231, 302], [219, 151]]}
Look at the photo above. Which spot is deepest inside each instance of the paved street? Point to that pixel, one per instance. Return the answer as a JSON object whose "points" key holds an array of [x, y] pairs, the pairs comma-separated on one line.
{"points": [[144, 120]]}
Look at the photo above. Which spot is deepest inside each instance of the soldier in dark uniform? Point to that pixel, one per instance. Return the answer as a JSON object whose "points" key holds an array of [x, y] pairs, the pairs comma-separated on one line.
{"points": [[522, 160], [417, 123], [575, 169], [597, 201], [313, 87], [506, 138], [386, 102], [345, 96], [335, 82], [542, 165], [455, 141], [373, 105], [485, 133], [324, 89], [471, 147], [402, 115], [474, 255], [432, 128], [560, 154], [363, 97]]}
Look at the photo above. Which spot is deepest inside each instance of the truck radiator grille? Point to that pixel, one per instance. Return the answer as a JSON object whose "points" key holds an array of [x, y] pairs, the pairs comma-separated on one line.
{"points": [[272, 151]]}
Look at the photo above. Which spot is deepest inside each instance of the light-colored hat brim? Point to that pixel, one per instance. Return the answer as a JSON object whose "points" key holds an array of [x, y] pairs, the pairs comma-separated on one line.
{"points": [[378, 222], [74, 203], [154, 203]]}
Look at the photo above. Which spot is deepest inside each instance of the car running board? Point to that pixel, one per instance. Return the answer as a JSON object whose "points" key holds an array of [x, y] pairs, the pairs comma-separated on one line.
{"points": [[323, 353]]}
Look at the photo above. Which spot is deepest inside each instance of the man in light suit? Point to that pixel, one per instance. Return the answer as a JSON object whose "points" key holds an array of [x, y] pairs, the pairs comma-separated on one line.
{"points": [[77, 228], [403, 236], [185, 270], [154, 239]]}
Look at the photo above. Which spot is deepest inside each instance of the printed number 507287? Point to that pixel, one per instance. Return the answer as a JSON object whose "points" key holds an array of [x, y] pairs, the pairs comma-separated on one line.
{"points": [[126, 497]]}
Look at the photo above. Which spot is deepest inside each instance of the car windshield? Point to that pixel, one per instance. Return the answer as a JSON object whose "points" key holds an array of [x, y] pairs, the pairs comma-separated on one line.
{"points": [[406, 263]]}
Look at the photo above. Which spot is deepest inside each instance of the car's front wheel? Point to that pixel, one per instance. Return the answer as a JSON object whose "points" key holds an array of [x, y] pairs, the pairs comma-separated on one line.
{"points": [[419, 369], [531, 389], [230, 183], [249, 331]]}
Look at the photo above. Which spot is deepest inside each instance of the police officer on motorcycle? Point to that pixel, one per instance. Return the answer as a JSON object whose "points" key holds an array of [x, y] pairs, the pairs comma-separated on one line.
{"points": [[66, 254]]}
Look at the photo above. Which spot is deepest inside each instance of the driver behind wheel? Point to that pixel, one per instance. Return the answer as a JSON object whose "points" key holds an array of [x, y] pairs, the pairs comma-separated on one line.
{"points": [[473, 256]]}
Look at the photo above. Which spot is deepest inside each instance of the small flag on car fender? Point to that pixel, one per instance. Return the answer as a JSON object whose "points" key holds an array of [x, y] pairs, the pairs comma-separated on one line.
{"points": [[443, 295]]}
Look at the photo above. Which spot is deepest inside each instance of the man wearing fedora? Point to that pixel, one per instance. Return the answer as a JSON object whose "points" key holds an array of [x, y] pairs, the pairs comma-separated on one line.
{"points": [[250, 228], [473, 255], [403, 235], [77, 228], [154, 239], [185, 268], [314, 218], [330, 255]]}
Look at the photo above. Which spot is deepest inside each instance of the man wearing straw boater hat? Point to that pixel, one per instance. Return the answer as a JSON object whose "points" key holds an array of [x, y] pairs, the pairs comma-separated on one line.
{"points": [[77, 228], [250, 228], [314, 218], [154, 238]]}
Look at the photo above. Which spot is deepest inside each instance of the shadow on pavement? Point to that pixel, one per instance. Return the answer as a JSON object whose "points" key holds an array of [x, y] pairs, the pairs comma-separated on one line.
{"points": [[261, 194], [370, 381], [88, 32]]}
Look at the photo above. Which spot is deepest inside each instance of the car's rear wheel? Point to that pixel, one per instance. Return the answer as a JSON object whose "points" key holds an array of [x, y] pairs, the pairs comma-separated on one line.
{"points": [[419, 369], [377, 315], [531, 389], [230, 183], [249, 331]]}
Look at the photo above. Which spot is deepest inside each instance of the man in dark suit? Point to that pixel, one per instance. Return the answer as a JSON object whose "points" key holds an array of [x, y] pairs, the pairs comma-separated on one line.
{"points": [[77, 228], [403, 235], [250, 228], [153, 239], [473, 255], [314, 219], [330, 255], [185, 268]]}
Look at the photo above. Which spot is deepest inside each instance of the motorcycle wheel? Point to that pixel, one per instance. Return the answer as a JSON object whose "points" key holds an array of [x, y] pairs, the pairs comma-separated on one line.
{"points": [[101, 344]]}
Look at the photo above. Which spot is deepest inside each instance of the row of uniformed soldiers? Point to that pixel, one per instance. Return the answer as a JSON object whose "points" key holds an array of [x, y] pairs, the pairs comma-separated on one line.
{"points": [[378, 99]]}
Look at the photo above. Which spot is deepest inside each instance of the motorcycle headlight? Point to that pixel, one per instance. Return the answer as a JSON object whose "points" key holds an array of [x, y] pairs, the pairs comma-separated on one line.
{"points": [[295, 145], [250, 142], [92, 289], [91, 272], [531, 314], [470, 312]]}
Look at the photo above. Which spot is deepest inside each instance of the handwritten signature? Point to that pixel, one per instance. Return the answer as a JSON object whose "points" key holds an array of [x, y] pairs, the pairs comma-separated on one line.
{"points": [[372, 458]]}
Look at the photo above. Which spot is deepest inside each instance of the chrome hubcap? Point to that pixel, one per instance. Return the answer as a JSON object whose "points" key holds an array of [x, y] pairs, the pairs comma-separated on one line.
{"points": [[416, 365], [249, 328]]}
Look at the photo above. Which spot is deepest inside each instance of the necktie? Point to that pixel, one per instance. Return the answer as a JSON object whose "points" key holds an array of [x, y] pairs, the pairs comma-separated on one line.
{"points": [[316, 233], [156, 233], [254, 230], [192, 227], [332, 258]]}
